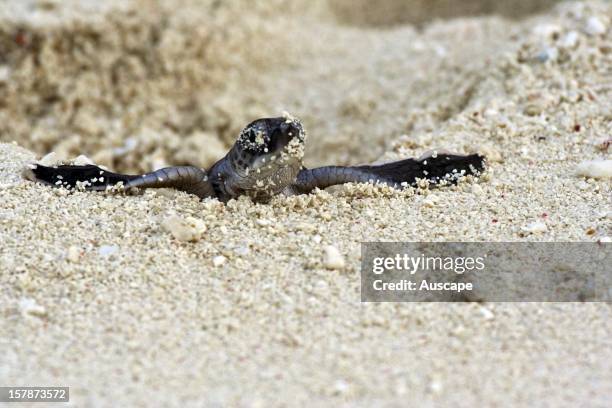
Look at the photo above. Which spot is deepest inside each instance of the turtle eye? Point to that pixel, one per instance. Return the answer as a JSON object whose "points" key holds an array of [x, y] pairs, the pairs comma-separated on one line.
{"points": [[252, 136]]}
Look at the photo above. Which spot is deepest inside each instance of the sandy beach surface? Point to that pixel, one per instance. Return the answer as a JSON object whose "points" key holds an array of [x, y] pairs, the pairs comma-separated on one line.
{"points": [[96, 293]]}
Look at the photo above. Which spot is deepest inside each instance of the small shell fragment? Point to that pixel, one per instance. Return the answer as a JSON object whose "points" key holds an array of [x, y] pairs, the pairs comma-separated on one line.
{"points": [[29, 306], [332, 258], [73, 254], [536, 227], [219, 260], [594, 26], [595, 169], [188, 229]]}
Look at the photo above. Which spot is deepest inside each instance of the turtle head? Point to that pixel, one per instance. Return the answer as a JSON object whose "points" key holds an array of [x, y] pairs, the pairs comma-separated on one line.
{"points": [[268, 154], [270, 136]]}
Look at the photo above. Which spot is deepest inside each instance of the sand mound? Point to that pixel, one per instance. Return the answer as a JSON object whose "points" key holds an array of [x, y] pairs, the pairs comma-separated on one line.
{"points": [[127, 81], [138, 84], [260, 304], [393, 12]]}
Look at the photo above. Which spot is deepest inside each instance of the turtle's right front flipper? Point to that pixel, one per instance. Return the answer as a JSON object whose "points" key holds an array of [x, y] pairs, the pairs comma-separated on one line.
{"points": [[190, 179]]}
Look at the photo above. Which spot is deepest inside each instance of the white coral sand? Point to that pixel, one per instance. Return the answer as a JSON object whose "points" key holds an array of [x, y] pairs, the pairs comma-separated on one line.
{"points": [[99, 293]]}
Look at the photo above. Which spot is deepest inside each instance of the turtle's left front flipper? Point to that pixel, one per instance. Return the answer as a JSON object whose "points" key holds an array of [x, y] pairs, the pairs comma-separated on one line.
{"points": [[190, 179], [443, 166]]}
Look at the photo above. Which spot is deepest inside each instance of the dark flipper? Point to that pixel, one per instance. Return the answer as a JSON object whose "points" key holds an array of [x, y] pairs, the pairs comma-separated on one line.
{"points": [[92, 177], [192, 180], [397, 174]]}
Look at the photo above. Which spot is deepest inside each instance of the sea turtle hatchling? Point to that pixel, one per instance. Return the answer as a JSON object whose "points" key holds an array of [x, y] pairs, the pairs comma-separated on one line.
{"points": [[266, 160]]}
